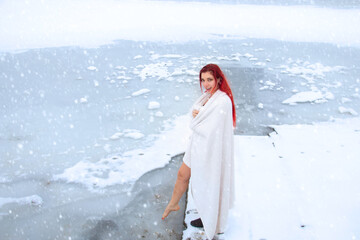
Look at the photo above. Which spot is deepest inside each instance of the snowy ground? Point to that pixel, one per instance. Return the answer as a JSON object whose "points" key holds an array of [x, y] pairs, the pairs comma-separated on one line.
{"points": [[298, 183]]}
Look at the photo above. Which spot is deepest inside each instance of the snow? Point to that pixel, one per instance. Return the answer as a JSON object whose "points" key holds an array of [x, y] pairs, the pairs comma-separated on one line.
{"points": [[95, 26], [301, 185], [129, 166]]}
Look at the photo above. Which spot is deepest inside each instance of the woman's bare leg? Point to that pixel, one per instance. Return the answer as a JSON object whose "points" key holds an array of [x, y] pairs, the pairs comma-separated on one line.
{"points": [[181, 185]]}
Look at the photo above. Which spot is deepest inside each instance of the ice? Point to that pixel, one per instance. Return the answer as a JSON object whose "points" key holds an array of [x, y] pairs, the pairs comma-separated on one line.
{"points": [[140, 92], [307, 70], [153, 105], [159, 114], [261, 64], [83, 100], [116, 136], [92, 68], [158, 70], [29, 200], [157, 56], [133, 133], [347, 110], [192, 73], [302, 97], [345, 100]]}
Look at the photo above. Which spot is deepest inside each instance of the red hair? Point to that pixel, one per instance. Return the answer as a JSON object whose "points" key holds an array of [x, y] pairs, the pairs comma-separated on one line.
{"points": [[220, 80]]}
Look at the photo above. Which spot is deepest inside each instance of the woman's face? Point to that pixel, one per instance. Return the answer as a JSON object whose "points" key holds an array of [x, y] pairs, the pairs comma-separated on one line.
{"points": [[208, 81]]}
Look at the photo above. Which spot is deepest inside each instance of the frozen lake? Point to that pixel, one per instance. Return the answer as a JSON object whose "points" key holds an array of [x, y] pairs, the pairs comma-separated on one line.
{"points": [[80, 125], [46, 128]]}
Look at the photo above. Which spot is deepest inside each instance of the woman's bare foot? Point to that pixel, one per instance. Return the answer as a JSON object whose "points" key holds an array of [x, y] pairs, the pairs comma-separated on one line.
{"points": [[169, 209]]}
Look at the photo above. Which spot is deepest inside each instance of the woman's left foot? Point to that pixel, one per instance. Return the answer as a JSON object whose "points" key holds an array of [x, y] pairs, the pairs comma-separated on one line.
{"points": [[169, 209]]}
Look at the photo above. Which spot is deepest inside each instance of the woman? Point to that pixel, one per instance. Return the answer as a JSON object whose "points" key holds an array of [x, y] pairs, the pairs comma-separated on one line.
{"points": [[209, 157]]}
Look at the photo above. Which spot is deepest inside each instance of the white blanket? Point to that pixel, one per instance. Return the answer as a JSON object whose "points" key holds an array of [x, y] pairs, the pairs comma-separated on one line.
{"points": [[211, 159]]}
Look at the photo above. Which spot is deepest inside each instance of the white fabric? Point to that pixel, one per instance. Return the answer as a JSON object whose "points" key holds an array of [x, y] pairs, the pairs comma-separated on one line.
{"points": [[210, 156]]}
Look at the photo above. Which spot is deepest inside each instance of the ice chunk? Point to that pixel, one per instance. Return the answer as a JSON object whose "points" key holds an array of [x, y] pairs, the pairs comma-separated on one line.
{"points": [[140, 92], [137, 57], [29, 200], [192, 72], [83, 100], [302, 97], [261, 64], [329, 95], [92, 68], [248, 55], [153, 105], [345, 100], [134, 135], [159, 70], [116, 136], [159, 114], [347, 110]]}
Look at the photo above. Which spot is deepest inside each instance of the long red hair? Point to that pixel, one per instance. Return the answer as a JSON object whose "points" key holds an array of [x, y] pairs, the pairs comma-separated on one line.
{"points": [[220, 80]]}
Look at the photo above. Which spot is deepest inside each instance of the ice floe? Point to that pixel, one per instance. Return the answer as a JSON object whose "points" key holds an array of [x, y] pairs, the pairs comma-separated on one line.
{"points": [[153, 105], [308, 96], [29, 200], [156, 70], [308, 71], [159, 114], [92, 68], [347, 110], [140, 92]]}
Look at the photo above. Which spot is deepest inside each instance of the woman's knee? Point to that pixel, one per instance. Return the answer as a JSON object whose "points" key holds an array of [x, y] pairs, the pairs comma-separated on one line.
{"points": [[184, 173]]}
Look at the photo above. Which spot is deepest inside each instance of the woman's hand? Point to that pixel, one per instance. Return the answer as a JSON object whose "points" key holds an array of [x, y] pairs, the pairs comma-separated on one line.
{"points": [[195, 112]]}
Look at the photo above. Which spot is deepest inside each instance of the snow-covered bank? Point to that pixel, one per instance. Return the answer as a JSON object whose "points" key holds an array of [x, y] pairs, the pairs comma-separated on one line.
{"points": [[38, 24], [298, 183], [131, 165]]}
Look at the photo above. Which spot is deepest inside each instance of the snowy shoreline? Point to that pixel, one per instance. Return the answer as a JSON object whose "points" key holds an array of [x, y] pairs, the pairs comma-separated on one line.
{"points": [[301, 185]]}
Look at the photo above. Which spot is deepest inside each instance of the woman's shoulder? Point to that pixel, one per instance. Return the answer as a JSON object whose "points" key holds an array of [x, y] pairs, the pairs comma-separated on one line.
{"points": [[224, 98]]}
